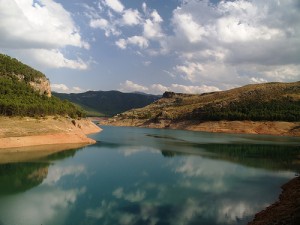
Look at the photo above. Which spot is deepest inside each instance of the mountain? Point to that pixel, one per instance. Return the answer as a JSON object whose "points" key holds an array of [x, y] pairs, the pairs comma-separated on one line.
{"points": [[255, 102], [108, 103], [25, 91]]}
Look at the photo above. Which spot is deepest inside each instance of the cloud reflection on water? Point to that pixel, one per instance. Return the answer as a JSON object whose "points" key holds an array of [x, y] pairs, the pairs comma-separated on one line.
{"points": [[136, 196], [57, 173], [111, 183], [46, 206]]}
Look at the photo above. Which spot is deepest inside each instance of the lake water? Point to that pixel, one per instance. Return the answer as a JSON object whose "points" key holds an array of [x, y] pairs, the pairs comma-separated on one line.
{"points": [[150, 176]]}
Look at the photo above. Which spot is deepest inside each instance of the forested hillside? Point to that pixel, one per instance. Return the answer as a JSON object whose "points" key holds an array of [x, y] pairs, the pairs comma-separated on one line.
{"points": [[108, 103], [12, 67], [20, 94]]}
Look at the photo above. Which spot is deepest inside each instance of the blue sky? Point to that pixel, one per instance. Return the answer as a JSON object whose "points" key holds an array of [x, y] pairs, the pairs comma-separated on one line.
{"points": [[190, 46]]}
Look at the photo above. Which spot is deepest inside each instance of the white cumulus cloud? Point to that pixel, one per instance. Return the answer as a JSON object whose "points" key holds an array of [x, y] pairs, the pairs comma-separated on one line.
{"points": [[121, 43], [231, 42], [139, 41], [115, 5], [129, 86], [43, 27], [62, 88], [185, 24], [152, 29], [131, 17], [156, 17], [193, 89], [99, 23], [103, 24], [54, 59]]}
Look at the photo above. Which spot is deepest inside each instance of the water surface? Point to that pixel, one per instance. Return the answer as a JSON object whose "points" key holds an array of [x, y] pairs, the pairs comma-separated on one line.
{"points": [[150, 176]]}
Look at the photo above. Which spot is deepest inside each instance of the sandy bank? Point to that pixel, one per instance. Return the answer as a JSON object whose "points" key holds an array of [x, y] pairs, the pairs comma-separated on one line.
{"points": [[238, 127], [17, 133], [286, 211]]}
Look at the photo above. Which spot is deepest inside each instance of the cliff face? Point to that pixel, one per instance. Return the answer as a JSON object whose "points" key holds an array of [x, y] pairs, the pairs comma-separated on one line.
{"points": [[42, 85], [10, 67]]}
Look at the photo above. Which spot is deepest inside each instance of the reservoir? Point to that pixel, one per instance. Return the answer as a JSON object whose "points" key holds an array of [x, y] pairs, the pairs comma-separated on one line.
{"points": [[134, 176]]}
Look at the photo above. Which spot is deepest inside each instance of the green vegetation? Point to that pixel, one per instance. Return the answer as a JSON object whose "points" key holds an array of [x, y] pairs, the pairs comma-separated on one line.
{"points": [[89, 111], [19, 177], [271, 157], [19, 99], [108, 103], [22, 176], [266, 156], [285, 109], [12, 67]]}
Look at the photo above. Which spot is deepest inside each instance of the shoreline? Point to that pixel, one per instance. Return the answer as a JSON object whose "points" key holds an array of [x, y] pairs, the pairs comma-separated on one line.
{"points": [[277, 128], [66, 134], [15, 144], [285, 211], [22, 134]]}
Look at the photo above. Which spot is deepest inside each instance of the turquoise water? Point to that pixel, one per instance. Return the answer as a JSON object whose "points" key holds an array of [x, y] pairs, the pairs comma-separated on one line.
{"points": [[150, 176]]}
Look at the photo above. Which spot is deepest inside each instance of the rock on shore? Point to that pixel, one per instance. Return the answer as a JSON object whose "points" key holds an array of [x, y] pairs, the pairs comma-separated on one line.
{"points": [[286, 211]]}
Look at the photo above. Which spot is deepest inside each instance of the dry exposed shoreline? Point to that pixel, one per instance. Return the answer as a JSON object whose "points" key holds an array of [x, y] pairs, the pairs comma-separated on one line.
{"points": [[238, 127], [18, 133]]}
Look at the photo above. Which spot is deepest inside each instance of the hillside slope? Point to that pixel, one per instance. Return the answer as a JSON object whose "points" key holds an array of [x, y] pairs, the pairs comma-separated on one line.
{"points": [[259, 102], [108, 103], [14, 69], [25, 91]]}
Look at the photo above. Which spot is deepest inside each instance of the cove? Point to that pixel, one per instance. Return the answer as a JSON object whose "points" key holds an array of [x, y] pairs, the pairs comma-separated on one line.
{"points": [[150, 176]]}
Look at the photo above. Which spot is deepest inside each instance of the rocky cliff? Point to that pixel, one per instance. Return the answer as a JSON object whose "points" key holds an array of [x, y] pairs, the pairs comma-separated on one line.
{"points": [[42, 85], [11, 67]]}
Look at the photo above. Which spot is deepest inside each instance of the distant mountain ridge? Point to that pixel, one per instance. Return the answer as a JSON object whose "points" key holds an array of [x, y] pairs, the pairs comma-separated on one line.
{"points": [[108, 103]]}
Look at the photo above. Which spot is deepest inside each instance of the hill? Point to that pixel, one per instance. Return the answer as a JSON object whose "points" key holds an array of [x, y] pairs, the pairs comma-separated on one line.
{"points": [[14, 69], [257, 102], [108, 103], [25, 91], [30, 116]]}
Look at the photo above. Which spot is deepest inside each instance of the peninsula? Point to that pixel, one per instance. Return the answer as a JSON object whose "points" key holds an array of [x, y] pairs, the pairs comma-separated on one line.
{"points": [[31, 116]]}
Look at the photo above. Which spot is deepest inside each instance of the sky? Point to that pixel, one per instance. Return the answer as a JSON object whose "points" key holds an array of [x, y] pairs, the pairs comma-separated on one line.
{"points": [[153, 46]]}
